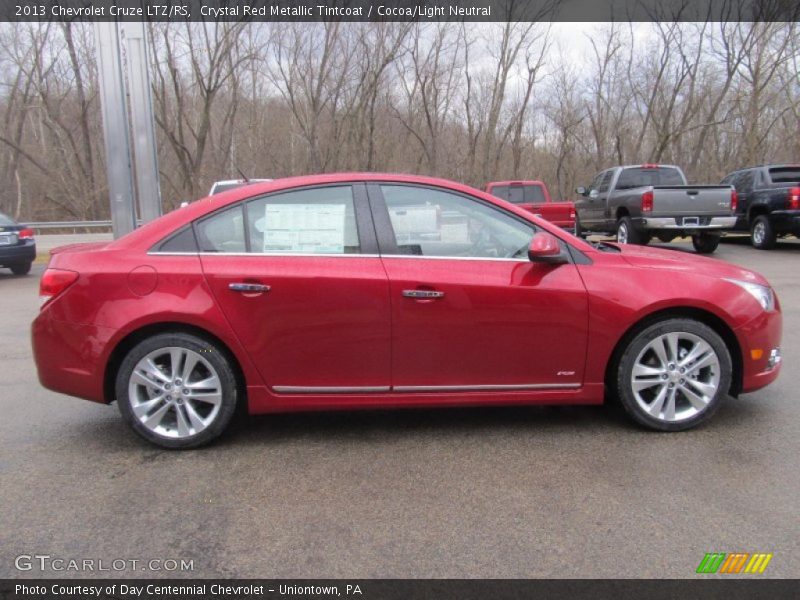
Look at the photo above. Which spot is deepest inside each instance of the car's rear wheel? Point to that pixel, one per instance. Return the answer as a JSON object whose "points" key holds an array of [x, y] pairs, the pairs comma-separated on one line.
{"points": [[705, 243], [674, 374], [21, 268], [177, 390]]}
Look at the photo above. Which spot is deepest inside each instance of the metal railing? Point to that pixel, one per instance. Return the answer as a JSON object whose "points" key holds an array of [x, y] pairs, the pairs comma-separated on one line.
{"points": [[86, 226]]}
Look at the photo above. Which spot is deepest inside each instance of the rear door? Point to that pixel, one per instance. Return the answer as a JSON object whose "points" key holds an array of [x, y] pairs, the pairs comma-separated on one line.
{"points": [[299, 279]]}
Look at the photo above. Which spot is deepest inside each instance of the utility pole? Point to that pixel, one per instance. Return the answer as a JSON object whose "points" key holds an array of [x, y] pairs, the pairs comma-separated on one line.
{"points": [[115, 128], [117, 125]]}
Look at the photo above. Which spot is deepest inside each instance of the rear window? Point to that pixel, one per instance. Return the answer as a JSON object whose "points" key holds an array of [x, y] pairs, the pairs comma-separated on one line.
{"points": [[5, 221], [785, 175], [640, 176], [519, 194]]}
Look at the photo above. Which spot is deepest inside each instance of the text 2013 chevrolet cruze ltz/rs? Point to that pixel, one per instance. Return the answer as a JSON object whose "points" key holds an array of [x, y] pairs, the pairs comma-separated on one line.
{"points": [[365, 290]]}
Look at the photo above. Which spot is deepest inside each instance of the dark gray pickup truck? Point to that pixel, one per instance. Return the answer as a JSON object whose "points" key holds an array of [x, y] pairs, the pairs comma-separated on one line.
{"points": [[637, 202], [769, 202]]}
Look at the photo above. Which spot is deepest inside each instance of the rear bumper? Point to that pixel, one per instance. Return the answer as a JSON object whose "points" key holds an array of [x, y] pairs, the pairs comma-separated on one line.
{"points": [[676, 223], [785, 221], [68, 356], [18, 254], [758, 339]]}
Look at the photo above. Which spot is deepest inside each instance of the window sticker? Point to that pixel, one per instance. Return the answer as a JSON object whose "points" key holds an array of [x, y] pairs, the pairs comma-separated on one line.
{"points": [[304, 228]]}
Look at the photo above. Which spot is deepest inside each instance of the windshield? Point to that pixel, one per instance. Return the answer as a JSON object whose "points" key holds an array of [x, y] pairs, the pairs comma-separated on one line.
{"points": [[634, 177], [520, 194]]}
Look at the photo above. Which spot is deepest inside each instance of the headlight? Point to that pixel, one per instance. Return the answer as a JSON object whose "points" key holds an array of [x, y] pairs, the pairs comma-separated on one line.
{"points": [[762, 293]]}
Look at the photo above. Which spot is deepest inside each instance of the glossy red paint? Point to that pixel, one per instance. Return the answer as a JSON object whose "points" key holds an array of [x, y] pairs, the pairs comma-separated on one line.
{"points": [[559, 213], [549, 332]]}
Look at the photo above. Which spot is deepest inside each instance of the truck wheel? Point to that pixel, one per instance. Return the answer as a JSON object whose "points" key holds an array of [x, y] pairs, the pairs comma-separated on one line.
{"points": [[578, 230], [762, 235], [627, 233], [705, 243]]}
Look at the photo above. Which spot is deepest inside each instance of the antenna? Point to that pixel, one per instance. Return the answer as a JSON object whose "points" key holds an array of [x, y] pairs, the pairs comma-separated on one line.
{"points": [[246, 179]]}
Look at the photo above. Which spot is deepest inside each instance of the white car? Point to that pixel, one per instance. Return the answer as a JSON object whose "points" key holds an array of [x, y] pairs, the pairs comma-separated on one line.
{"points": [[229, 184]]}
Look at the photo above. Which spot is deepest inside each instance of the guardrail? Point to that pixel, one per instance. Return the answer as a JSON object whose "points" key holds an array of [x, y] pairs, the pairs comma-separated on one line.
{"points": [[40, 226]]}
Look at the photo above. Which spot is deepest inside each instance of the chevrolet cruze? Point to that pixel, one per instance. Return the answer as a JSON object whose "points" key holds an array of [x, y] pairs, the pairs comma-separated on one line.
{"points": [[366, 290]]}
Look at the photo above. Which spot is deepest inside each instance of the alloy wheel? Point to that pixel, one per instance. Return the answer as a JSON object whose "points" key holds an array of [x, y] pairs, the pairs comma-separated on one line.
{"points": [[675, 376], [759, 233], [622, 233], [175, 392]]}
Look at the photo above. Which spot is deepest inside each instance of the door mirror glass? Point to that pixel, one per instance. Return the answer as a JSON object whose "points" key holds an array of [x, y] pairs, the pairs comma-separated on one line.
{"points": [[545, 248]]}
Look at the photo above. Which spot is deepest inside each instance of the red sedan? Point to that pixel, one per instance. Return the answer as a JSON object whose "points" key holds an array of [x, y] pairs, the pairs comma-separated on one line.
{"points": [[365, 290]]}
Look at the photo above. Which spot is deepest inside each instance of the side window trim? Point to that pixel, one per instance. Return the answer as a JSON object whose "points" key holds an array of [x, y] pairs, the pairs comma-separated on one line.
{"points": [[365, 227], [387, 243]]}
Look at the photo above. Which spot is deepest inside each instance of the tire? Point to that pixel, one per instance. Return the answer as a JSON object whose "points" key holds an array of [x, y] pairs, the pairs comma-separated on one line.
{"points": [[578, 230], [627, 233], [666, 405], [21, 269], [160, 406], [705, 243], [762, 235]]}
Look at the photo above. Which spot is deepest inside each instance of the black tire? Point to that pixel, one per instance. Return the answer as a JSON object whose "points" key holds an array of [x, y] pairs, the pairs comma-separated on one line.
{"points": [[217, 359], [578, 230], [762, 234], [705, 243], [623, 386], [627, 231], [21, 269]]}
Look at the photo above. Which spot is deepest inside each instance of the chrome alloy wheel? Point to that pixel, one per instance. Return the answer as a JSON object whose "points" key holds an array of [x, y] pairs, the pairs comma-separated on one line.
{"points": [[759, 233], [175, 392], [622, 233], [675, 376]]}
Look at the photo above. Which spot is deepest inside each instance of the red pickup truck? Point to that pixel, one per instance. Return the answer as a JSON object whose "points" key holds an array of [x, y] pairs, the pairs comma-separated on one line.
{"points": [[533, 196]]}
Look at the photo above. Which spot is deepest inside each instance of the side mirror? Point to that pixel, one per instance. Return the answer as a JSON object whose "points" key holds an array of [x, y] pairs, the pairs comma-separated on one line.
{"points": [[545, 248], [581, 191], [594, 194]]}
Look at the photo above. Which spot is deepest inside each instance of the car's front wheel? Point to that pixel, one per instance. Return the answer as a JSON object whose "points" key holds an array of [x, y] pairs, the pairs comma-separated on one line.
{"points": [[177, 390], [674, 374]]}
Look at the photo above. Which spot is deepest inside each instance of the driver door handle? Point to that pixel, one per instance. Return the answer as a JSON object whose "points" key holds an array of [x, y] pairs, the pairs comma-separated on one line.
{"points": [[248, 287], [423, 294]]}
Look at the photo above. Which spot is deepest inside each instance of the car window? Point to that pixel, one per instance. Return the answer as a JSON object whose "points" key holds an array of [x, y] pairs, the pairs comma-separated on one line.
{"points": [[785, 174], [222, 231], [634, 177], [743, 182], [597, 180], [727, 180], [432, 222], [5, 221], [605, 182], [519, 194], [310, 221]]}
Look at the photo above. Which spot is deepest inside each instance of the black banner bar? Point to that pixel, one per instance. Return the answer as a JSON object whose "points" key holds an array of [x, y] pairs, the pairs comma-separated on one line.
{"points": [[399, 10], [733, 588]]}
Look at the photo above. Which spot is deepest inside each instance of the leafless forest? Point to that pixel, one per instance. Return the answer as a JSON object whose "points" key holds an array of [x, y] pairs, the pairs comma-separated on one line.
{"points": [[466, 102]]}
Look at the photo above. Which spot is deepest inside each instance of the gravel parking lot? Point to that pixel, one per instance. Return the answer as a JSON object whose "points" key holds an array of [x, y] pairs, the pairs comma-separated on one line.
{"points": [[496, 493]]}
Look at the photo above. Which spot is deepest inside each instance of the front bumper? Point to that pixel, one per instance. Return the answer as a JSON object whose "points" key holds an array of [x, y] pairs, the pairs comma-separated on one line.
{"points": [[676, 223], [758, 339]]}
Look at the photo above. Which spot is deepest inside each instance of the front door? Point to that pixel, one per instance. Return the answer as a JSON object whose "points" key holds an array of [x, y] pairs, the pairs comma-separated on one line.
{"points": [[469, 310], [299, 280]]}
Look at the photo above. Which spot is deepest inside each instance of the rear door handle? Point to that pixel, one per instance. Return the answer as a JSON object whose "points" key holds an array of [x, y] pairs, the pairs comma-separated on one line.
{"points": [[248, 287], [423, 294]]}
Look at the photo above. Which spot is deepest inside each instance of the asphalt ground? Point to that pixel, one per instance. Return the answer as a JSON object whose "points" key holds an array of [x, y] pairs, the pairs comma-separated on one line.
{"points": [[489, 493]]}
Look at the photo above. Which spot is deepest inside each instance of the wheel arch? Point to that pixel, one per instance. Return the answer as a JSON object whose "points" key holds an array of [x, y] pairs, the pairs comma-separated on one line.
{"points": [[137, 335], [756, 211], [622, 211], [682, 312]]}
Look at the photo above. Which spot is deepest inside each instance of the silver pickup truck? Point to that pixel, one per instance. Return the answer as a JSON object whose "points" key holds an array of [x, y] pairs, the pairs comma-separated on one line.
{"points": [[638, 202]]}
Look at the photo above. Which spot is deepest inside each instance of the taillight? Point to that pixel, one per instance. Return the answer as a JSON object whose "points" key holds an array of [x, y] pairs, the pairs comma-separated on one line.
{"points": [[25, 234], [734, 200], [571, 213], [54, 282], [647, 201], [794, 198], [649, 166]]}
